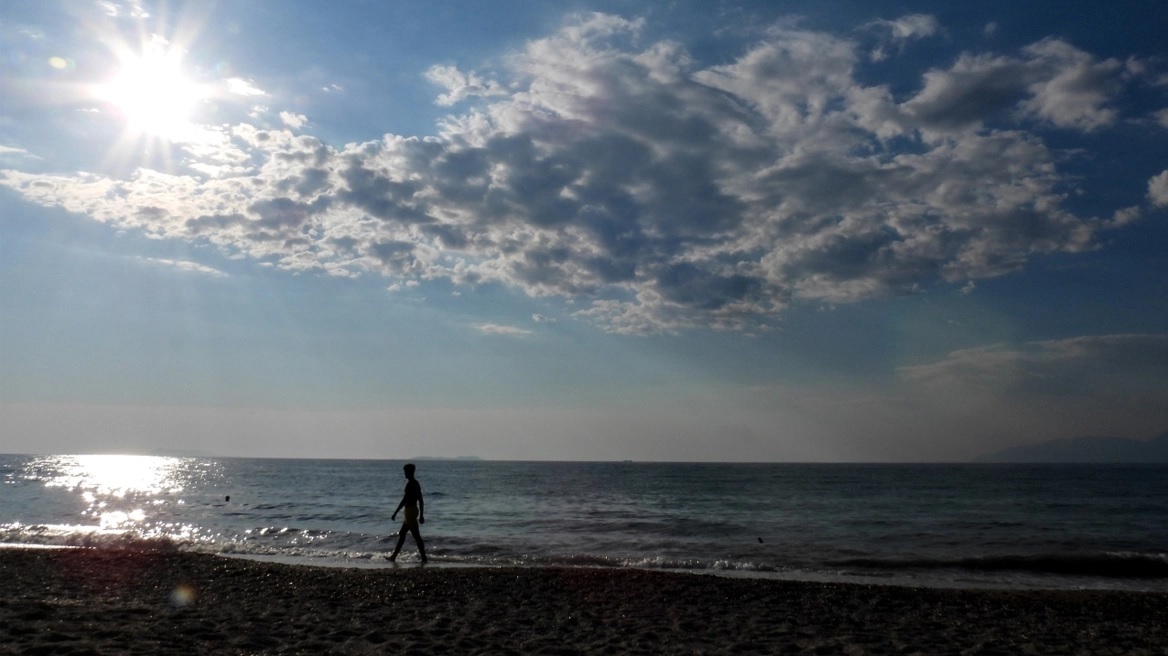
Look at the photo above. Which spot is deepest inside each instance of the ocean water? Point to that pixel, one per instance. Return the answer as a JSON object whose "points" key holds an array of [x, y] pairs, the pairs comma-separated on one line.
{"points": [[1027, 526]]}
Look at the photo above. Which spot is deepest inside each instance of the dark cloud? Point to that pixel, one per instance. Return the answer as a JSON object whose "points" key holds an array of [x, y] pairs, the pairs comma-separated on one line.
{"points": [[380, 196], [280, 213], [214, 223], [972, 91], [395, 256], [311, 182], [1051, 80]]}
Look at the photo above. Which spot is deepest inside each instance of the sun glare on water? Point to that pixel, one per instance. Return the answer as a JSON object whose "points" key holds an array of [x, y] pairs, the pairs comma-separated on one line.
{"points": [[152, 93], [106, 482]]}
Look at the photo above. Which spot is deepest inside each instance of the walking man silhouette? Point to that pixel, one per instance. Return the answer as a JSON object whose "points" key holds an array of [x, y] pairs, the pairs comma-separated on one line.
{"points": [[415, 514]]}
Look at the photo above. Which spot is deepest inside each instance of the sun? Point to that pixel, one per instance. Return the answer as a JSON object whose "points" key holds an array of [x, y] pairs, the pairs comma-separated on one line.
{"points": [[151, 92]]}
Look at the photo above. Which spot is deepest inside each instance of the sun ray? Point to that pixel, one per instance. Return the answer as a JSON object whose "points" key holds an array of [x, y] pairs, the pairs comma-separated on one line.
{"points": [[153, 97], [152, 94]]}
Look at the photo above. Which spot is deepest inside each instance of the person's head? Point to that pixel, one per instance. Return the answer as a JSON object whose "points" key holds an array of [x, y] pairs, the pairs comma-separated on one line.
{"points": [[409, 470]]}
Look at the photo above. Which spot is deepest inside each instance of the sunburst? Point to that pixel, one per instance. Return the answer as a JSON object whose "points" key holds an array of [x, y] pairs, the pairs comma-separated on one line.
{"points": [[152, 94]]}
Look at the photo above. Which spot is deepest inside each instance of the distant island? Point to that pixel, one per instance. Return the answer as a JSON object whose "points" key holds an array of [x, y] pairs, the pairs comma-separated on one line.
{"points": [[1086, 449]]}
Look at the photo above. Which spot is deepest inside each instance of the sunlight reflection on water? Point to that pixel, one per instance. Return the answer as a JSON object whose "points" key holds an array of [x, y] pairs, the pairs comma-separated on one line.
{"points": [[123, 492], [115, 475], [102, 479]]}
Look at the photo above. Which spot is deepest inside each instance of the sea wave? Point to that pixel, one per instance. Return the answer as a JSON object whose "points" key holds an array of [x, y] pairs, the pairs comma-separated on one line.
{"points": [[344, 546], [19, 535]]}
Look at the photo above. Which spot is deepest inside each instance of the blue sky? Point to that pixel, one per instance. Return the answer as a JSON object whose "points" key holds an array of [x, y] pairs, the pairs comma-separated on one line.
{"points": [[825, 231]]}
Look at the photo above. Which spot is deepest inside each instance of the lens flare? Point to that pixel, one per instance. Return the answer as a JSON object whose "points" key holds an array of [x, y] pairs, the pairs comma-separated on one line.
{"points": [[182, 596]]}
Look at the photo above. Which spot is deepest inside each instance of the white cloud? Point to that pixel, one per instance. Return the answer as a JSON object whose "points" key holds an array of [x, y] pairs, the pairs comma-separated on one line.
{"points": [[1126, 215], [13, 151], [1158, 189], [658, 193], [908, 27], [1074, 90], [496, 329], [127, 8], [293, 120], [186, 265], [242, 87], [898, 32], [398, 286], [461, 86]]}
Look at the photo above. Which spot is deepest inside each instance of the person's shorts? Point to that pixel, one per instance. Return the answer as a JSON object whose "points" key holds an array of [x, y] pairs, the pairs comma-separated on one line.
{"points": [[411, 517]]}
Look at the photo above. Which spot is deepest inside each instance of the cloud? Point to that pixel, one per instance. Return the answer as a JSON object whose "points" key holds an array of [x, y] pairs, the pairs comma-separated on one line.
{"points": [[293, 120], [1126, 215], [1073, 89], [186, 265], [120, 9], [657, 193], [1158, 189], [13, 151], [1050, 80], [1079, 366], [908, 27], [461, 86], [897, 32], [397, 286], [496, 329], [241, 87]]}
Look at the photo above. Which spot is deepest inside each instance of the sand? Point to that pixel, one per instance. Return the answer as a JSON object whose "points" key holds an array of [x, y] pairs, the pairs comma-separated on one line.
{"points": [[102, 602]]}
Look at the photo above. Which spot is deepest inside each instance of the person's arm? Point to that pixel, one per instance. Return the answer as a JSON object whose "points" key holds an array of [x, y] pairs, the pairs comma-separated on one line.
{"points": [[398, 509], [421, 507]]}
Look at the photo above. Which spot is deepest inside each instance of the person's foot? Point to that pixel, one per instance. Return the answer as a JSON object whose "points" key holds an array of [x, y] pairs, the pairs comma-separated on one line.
{"points": [[391, 559]]}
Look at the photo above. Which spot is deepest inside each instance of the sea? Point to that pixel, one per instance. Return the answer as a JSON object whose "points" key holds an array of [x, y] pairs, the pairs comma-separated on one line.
{"points": [[937, 525]]}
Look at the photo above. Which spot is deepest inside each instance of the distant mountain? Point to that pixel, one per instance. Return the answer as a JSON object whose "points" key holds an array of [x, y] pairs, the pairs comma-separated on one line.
{"points": [[1086, 449]]}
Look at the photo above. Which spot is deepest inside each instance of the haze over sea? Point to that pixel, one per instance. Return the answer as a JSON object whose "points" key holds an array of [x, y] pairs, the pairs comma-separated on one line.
{"points": [[984, 525]]}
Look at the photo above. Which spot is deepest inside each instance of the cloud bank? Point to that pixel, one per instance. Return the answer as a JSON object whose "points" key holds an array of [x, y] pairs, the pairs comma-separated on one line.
{"points": [[652, 191], [1090, 365]]}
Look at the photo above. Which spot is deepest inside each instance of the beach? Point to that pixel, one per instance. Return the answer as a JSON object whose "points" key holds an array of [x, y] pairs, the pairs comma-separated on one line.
{"points": [[99, 601]]}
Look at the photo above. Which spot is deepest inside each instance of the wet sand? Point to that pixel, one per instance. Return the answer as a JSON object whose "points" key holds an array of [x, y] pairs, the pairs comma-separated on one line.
{"points": [[101, 602]]}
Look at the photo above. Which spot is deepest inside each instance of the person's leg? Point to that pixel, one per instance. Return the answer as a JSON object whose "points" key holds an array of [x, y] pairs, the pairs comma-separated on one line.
{"points": [[401, 539], [418, 541]]}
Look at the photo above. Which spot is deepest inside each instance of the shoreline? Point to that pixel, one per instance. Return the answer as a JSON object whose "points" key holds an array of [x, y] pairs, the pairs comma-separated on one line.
{"points": [[1036, 583], [956, 580], [100, 601]]}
